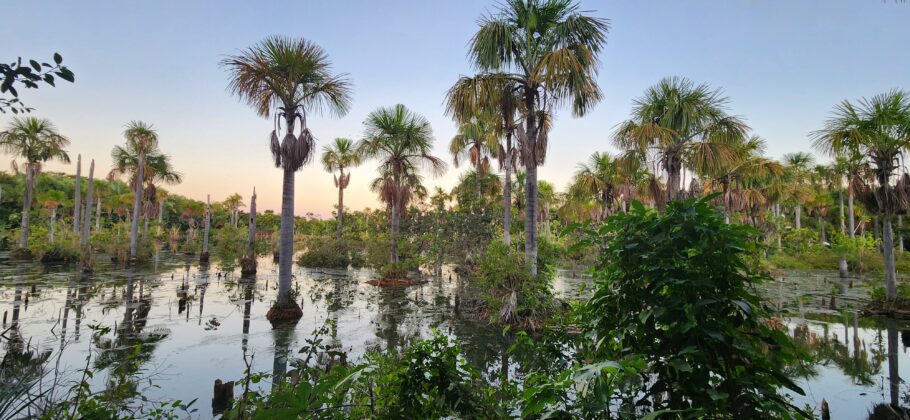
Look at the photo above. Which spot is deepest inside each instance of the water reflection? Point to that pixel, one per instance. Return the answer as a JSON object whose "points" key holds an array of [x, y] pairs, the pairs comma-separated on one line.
{"points": [[149, 311]]}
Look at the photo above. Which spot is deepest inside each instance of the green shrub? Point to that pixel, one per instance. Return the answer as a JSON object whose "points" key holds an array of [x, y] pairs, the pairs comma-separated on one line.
{"points": [[398, 270], [511, 294], [325, 253], [675, 291]]}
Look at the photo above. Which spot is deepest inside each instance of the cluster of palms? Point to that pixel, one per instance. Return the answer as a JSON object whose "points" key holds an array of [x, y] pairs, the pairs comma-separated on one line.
{"points": [[38, 141]]}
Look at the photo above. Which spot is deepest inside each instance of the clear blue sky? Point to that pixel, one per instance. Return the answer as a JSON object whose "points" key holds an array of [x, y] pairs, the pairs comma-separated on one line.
{"points": [[783, 63]]}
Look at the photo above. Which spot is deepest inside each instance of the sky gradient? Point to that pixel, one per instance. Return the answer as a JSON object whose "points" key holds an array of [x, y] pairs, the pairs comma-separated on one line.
{"points": [[782, 63]]}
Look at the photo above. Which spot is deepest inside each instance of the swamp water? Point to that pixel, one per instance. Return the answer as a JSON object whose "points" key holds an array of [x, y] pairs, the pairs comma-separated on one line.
{"points": [[198, 325]]}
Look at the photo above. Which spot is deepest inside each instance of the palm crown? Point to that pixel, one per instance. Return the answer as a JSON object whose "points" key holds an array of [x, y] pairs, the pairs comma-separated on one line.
{"points": [[289, 78], [34, 139]]}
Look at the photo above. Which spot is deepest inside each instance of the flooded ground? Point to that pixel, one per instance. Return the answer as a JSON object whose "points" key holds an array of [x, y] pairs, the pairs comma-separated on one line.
{"points": [[202, 325]]}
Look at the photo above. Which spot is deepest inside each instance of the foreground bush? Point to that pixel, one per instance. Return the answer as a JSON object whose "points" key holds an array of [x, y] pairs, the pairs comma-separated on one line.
{"points": [[675, 291]]}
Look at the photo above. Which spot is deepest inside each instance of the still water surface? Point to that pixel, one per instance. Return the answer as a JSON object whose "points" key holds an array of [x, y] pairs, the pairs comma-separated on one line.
{"points": [[200, 323]]}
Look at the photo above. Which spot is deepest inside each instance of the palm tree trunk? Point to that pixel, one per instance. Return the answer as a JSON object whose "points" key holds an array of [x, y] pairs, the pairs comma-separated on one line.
{"points": [[798, 215], [27, 203], [340, 202], [673, 177], [890, 269], [851, 222], [87, 224], [531, 215], [78, 200], [205, 236], [53, 224], [251, 238], [531, 186], [98, 215], [507, 194], [137, 201], [393, 216], [821, 230], [286, 238], [161, 217], [843, 221]]}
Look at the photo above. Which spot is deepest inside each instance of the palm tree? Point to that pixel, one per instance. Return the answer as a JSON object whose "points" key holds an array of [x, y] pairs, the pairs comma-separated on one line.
{"points": [[878, 129], [233, 203], [341, 154], [37, 141], [402, 141], [686, 125], [476, 141], [799, 165], [497, 98], [739, 178], [547, 195], [548, 51], [158, 168], [141, 140], [288, 78], [599, 178]]}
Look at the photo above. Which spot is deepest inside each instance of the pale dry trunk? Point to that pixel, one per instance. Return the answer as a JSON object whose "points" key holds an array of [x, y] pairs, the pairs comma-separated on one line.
{"points": [[208, 222], [98, 215], [798, 215], [90, 191], [843, 221], [851, 221], [78, 199], [53, 224], [27, 204], [340, 202], [251, 238], [137, 201]]}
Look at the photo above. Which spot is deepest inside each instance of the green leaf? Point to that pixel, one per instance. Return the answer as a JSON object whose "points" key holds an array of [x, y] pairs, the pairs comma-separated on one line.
{"points": [[58, 58]]}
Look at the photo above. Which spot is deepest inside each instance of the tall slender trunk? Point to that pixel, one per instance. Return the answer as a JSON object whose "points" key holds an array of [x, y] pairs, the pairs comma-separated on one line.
{"points": [[137, 201], [674, 167], [251, 231], [531, 186], [507, 193], [53, 224], [851, 221], [98, 215], [340, 202], [843, 221], [888, 248], [87, 223], [286, 238], [395, 221], [821, 229], [160, 216], [30, 170], [208, 223], [78, 200], [798, 215]]}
